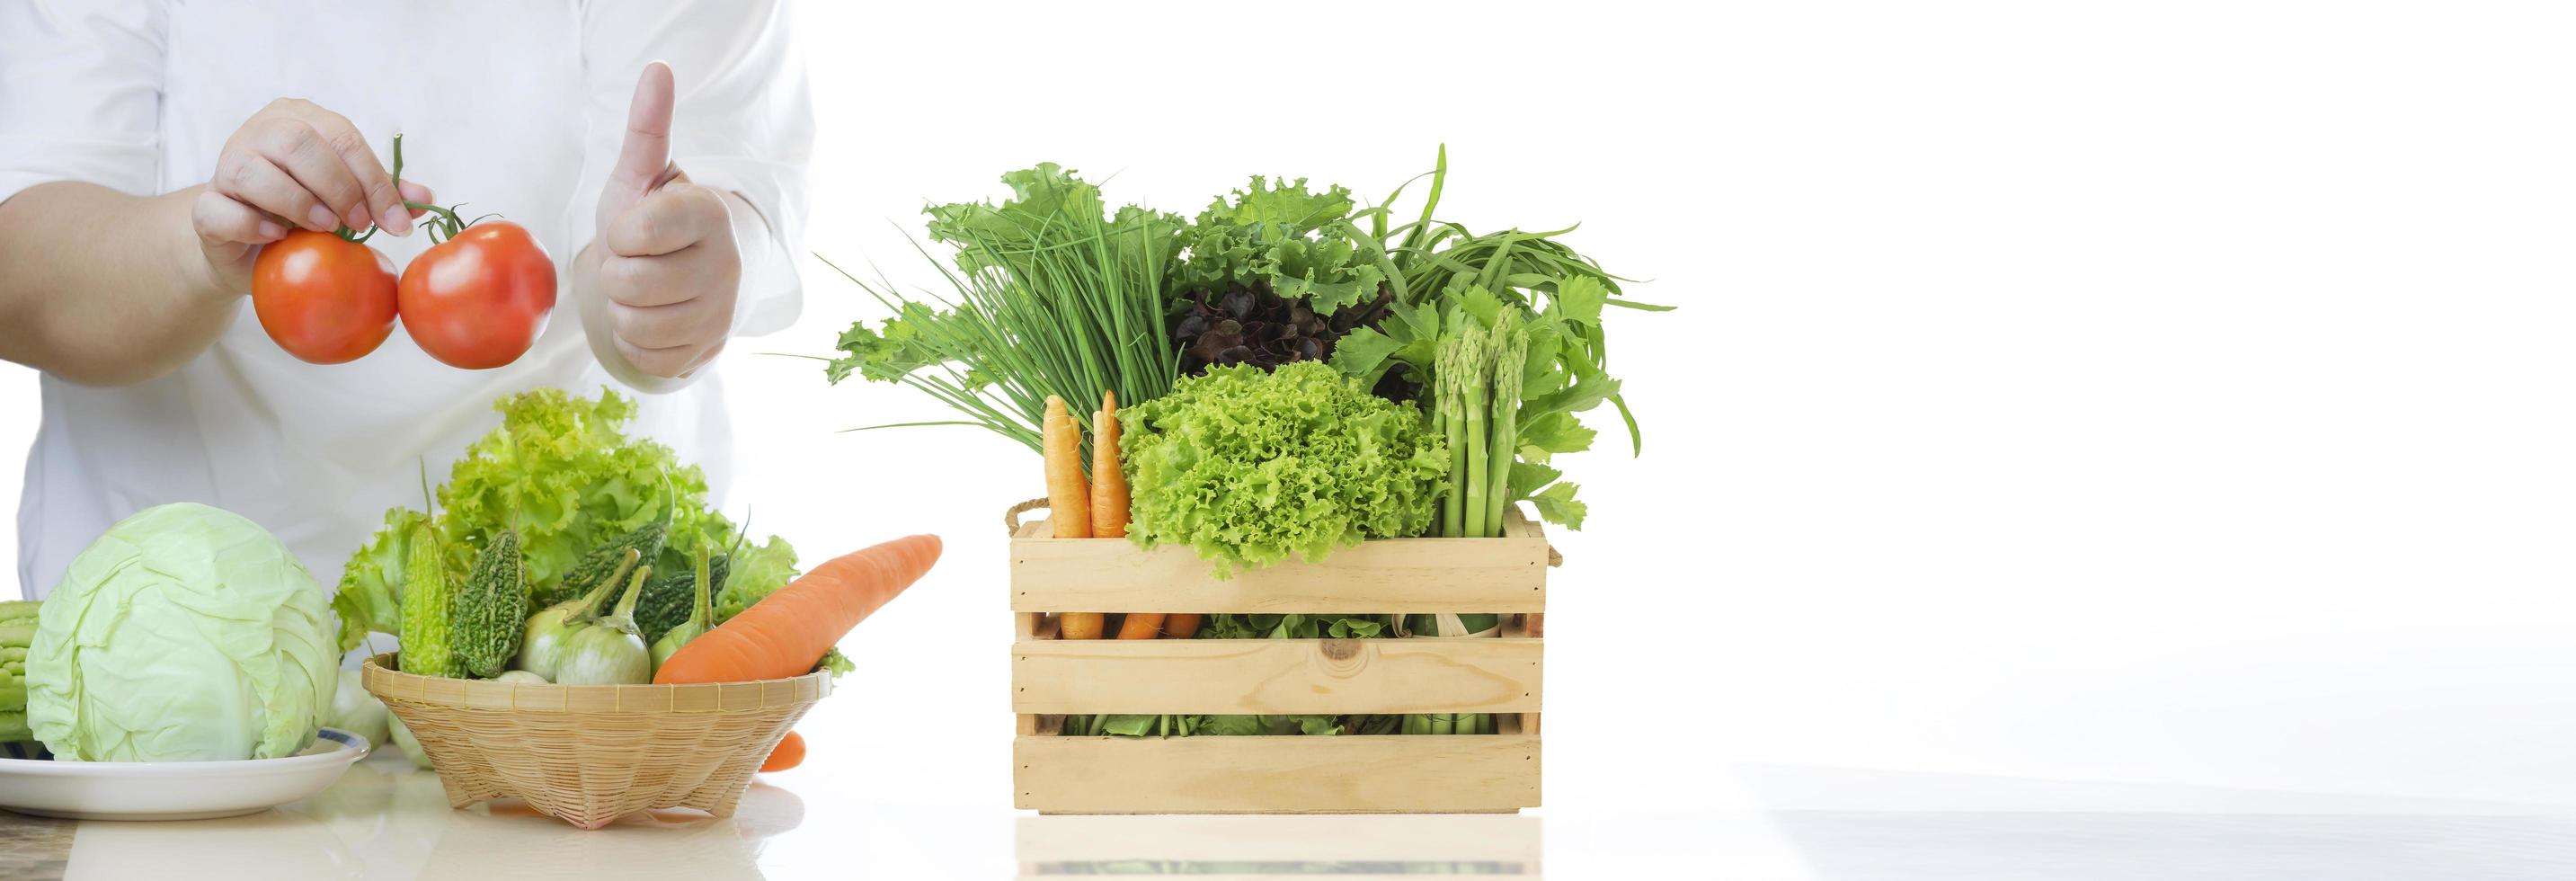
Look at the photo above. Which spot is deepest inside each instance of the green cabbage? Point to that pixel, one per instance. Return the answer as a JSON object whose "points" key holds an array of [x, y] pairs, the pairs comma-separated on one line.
{"points": [[1248, 467], [185, 633]]}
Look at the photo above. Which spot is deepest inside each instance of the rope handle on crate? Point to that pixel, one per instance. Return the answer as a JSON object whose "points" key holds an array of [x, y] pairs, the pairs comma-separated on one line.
{"points": [[1011, 519]]}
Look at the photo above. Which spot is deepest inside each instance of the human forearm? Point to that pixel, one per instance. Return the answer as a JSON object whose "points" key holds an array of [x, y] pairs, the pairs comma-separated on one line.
{"points": [[104, 288]]}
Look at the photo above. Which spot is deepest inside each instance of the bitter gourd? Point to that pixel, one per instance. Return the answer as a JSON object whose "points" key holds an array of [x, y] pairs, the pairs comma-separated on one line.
{"points": [[601, 563], [428, 602], [667, 600], [491, 609]]}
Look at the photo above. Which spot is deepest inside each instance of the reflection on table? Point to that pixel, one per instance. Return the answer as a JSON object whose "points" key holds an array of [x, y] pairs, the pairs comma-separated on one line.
{"points": [[1249, 847], [1869, 845], [384, 819]]}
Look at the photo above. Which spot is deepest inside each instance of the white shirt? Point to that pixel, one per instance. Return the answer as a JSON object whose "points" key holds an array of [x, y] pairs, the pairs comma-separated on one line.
{"points": [[509, 106]]}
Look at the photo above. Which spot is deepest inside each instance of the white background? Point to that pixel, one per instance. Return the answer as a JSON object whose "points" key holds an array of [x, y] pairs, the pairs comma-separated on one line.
{"points": [[2168, 393]]}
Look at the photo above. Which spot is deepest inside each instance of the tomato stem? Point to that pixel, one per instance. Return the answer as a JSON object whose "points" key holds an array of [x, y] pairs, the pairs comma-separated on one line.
{"points": [[444, 223]]}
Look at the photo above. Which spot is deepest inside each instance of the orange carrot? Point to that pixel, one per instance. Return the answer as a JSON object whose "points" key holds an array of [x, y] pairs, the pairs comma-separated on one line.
{"points": [[1068, 497], [787, 633], [1141, 625], [1081, 625], [790, 753], [1108, 482], [1181, 626]]}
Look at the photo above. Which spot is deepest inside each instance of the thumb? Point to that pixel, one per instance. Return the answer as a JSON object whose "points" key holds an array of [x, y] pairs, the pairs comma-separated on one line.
{"points": [[647, 154]]}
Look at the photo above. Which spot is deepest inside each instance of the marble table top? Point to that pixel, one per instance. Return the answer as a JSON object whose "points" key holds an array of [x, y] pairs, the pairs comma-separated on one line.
{"points": [[386, 820]]}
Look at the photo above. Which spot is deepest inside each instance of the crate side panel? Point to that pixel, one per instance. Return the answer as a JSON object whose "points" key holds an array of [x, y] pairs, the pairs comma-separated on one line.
{"points": [[1395, 575], [1276, 676]]}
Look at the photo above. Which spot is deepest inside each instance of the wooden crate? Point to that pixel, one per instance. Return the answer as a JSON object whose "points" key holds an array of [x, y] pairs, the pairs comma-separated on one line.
{"points": [[1052, 678]]}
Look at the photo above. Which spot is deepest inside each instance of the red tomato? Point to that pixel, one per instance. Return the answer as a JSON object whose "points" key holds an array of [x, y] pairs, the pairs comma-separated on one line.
{"points": [[478, 300], [323, 298]]}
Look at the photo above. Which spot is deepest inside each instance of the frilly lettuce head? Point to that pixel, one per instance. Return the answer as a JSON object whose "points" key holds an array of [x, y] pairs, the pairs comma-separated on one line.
{"points": [[185, 633], [561, 471], [1248, 467], [756, 572]]}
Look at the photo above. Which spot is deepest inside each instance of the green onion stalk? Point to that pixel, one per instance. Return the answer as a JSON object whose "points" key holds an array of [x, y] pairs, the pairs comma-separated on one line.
{"points": [[1075, 309]]}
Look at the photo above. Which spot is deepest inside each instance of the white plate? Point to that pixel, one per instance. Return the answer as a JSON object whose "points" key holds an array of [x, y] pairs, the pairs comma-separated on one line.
{"points": [[175, 790]]}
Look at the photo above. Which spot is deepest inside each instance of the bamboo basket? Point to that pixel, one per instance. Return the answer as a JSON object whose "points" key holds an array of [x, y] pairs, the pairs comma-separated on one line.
{"points": [[589, 754], [1296, 774]]}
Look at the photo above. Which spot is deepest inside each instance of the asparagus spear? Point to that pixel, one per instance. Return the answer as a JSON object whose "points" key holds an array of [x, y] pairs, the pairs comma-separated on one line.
{"points": [[1511, 351]]}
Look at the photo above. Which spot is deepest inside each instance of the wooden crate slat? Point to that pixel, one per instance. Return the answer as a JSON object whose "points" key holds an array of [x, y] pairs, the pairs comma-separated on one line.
{"points": [[1385, 773], [1406, 575], [1277, 676]]}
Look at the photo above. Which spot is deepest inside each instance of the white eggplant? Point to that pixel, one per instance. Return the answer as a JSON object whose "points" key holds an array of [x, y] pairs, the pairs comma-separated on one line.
{"points": [[541, 651], [609, 651]]}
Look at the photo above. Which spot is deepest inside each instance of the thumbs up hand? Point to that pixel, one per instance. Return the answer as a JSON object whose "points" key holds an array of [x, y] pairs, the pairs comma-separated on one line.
{"points": [[668, 266]]}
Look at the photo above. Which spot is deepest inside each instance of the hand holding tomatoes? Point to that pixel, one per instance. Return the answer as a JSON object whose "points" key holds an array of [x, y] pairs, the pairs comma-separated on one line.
{"points": [[668, 267], [292, 164], [475, 301], [665, 266]]}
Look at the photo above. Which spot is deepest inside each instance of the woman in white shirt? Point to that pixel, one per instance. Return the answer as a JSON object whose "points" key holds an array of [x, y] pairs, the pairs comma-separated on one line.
{"points": [[148, 148]]}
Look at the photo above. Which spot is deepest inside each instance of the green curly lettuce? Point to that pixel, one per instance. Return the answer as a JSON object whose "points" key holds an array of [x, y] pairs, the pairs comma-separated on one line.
{"points": [[752, 574], [371, 584], [1299, 242], [1247, 467], [562, 471]]}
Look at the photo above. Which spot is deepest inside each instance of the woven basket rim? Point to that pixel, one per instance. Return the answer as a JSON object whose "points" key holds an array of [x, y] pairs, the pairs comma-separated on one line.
{"points": [[726, 697]]}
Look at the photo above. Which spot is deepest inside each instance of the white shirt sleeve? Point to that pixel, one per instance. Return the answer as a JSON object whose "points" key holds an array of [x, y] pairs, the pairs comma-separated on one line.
{"points": [[80, 93], [742, 122]]}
